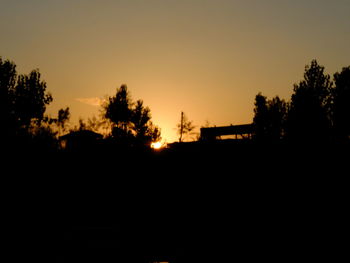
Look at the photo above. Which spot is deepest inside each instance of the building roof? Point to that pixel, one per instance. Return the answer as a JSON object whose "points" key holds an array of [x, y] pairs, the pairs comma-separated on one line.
{"points": [[85, 134]]}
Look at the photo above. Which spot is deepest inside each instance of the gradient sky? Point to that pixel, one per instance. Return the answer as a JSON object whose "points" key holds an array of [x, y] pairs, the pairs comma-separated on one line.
{"points": [[208, 58]]}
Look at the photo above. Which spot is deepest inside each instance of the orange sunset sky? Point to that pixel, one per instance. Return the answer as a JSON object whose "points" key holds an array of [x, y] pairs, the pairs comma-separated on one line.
{"points": [[208, 58]]}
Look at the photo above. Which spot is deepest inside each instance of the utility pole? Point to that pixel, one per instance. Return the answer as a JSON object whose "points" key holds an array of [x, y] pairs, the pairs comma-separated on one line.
{"points": [[181, 126]]}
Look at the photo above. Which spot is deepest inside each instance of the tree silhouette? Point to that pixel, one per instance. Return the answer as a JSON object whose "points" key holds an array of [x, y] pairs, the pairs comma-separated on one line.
{"points": [[260, 117], [30, 99], [269, 118], [118, 109], [341, 104], [130, 122], [308, 118], [277, 117], [62, 119], [144, 130], [184, 127], [23, 99], [153, 133], [139, 118], [8, 77]]}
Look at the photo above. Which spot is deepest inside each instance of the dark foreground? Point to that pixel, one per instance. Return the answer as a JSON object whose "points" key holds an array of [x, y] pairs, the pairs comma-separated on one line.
{"points": [[194, 203]]}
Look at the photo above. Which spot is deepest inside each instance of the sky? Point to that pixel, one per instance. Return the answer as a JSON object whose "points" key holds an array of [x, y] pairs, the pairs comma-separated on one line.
{"points": [[207, 58]]}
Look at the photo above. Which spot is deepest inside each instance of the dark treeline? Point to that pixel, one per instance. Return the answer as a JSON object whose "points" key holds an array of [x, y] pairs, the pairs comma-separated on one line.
{"points": [[318, 112], [25, 126], [109, 198]]}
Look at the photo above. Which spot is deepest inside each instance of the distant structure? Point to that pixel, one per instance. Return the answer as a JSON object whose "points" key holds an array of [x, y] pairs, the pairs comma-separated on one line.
{"points": [[243, 131], [80, 140]]}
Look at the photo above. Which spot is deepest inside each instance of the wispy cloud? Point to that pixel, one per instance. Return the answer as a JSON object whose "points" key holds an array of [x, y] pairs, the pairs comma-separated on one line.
{"points": [[95, 101]]}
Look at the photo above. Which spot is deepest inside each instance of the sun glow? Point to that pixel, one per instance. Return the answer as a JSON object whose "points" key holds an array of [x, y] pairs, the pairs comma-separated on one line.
{"points": [[156, 145]]}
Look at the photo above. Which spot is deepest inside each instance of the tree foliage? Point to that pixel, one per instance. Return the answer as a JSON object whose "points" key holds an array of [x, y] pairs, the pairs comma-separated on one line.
{"points": [[269, 119], [260, 116], [309, 118], [317, 112], [30, 98], [62, 119], [8, 79], [23, 99], [341, 104], [118, 109], [131, 122]]}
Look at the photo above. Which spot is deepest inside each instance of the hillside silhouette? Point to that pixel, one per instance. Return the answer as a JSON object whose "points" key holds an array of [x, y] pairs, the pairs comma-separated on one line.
{"points": [[82, 195]]}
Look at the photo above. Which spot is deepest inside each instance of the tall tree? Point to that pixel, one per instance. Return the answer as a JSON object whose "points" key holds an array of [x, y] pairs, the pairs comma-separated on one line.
{"points": [[118, 108], [118, 111], [62, 119], [341, 104], [277, 118], [30, 98], [269, 118], [130, 121], [308, 118], [139, 119], [23, 99], [260, 117], [8, 77], [144, 130]]}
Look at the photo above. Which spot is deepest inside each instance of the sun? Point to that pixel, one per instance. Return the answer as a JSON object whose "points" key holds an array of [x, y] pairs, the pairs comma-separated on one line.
{"points": [[156, 145]]}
